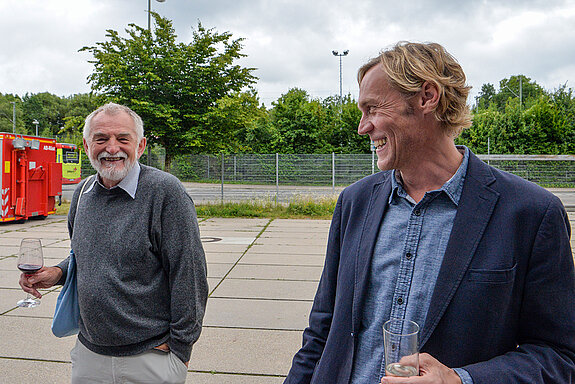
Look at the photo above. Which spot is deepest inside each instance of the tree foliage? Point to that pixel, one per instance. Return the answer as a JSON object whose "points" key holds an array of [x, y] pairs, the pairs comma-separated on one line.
{"points": [[171, 85], [543, 123]]}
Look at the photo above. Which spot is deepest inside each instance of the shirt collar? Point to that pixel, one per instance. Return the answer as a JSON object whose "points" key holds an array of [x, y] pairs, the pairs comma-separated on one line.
{"points": [[452, 187], [129, 183]]}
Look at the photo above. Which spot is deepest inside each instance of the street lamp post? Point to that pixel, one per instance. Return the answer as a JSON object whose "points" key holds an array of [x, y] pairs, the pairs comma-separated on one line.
{"points": [[150, 11], [35, 122], [344, 53], [149, 151]]}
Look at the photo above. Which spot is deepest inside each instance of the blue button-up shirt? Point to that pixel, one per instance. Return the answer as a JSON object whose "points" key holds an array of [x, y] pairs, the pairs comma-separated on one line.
{"points": [[406, 261]]}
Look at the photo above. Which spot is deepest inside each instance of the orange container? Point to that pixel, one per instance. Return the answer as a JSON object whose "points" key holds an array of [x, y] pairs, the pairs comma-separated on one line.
{"points": [[31, 179]]}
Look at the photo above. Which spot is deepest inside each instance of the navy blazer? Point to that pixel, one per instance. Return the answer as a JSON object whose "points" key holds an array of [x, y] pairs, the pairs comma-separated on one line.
{"points": [[503, 307]]}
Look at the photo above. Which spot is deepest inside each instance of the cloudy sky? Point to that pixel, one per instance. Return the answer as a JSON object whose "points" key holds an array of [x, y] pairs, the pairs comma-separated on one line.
{"points": [[290, 42]]}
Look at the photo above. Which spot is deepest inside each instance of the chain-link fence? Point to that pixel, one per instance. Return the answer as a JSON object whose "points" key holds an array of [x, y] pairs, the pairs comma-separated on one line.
{"points": [[335, 169], [344, 169]]}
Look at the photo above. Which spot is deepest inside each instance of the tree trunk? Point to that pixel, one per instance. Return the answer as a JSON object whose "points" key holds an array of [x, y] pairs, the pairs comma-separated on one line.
{"points": [[168, 162]]}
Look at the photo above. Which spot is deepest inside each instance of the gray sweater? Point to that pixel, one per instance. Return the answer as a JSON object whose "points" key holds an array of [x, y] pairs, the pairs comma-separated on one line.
{"points": [[141, 267]]}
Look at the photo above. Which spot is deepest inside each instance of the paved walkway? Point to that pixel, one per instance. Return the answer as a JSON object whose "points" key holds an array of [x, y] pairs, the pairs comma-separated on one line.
{"points": [[262, 274]]}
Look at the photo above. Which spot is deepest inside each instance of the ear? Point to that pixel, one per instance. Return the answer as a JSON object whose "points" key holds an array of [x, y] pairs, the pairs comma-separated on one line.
{"points": [[429, 97], [86, 149], [141, 147]]}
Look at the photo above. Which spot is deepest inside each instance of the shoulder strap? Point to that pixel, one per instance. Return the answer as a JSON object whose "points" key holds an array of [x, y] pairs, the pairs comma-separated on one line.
{"points": [[81, 193]]}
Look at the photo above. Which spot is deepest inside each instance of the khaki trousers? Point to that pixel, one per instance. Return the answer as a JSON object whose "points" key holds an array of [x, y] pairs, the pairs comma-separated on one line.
{"points": [[153, 367]]}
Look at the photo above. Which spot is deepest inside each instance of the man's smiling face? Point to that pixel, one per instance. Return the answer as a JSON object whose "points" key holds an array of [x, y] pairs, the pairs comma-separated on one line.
{"points": [[113, 146]]}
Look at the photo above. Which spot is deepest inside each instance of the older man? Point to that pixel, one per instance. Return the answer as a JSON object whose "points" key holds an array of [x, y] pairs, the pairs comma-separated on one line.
{"points": [[479, 258], [141, 266]]}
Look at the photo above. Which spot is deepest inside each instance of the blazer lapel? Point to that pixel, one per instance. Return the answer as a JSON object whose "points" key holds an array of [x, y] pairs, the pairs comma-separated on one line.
{"points": [[474, 211], [375, 212]]}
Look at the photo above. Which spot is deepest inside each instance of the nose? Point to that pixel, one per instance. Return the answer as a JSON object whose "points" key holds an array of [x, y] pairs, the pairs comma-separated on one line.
{"points": [[113, 146], [364, 127]]}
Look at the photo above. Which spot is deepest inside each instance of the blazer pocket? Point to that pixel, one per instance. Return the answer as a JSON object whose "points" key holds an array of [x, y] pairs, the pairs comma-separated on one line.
{"points": [[492, 276]]}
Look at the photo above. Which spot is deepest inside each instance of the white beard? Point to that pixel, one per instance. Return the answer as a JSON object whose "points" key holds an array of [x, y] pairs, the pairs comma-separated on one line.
{"points": [[112, 172]]}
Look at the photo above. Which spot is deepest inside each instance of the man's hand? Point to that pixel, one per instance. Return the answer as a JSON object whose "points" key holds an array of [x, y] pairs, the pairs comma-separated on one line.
{"points": [[431, 371], [166, 348], [44, 278]]}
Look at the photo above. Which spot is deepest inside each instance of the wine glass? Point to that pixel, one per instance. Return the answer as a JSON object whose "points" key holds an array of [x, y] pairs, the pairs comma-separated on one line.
{"points": [[30, 261]]}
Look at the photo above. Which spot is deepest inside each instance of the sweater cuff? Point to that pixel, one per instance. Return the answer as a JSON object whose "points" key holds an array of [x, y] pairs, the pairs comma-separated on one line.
{"points": [[464, 376], [182, 350], [63, 265]]}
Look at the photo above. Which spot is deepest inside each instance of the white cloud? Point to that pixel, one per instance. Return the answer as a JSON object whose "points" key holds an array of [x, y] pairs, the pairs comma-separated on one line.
{"points": [[290, 41]]}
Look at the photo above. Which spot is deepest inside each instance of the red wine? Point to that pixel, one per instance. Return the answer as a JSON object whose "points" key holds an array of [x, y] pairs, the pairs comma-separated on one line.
{"points": [[29, 268]]}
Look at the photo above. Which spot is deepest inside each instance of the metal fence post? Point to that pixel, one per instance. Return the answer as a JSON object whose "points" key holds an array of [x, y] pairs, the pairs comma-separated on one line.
{"points": [[277, 177], [208, 156], [222, 178], [333, 172]]}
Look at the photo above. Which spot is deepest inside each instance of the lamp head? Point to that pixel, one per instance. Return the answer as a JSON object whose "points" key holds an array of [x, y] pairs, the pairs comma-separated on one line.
{"points": [[335, 53]]}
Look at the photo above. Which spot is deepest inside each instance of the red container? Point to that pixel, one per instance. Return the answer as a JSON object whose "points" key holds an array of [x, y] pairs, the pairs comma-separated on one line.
{"points": [[31, 179]]}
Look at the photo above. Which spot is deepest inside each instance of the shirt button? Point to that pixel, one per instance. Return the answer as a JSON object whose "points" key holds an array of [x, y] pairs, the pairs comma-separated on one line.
{"points": [[408, 256], [399, 300], [417, 212]]}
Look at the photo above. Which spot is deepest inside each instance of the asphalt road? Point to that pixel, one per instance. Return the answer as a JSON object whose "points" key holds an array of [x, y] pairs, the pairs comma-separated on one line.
{"points": [[204, 193]]}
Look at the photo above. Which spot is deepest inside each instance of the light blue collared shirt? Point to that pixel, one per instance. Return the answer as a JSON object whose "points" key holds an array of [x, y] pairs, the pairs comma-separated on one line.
{"points": [[129, 183], [406, 261]]}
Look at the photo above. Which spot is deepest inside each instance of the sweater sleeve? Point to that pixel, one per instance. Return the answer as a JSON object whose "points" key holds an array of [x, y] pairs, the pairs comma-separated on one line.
{"points": [[185, 263]]}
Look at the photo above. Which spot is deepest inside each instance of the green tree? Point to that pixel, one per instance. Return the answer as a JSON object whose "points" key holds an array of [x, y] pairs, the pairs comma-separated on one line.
{"points": [[7, 111], [237, 124], [517, 87], [299, 124], [48, 109], [343, 120], [79, 106], [485, 97], [171, 85]]}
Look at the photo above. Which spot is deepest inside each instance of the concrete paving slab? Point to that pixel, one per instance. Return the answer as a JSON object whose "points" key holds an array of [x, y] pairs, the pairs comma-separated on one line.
{"points": [[8, 263], [257, 314], [9, 277], [301, 234], [241, 224], [28, 337], [276, 272], [302, 242], [44, 310], [288, 249], [219, 270], [236, 240], [228, 258], [291, 225], [278, 259], [229, 232], [245, 351], [62, 244], [218, 378], [218, 247], [6, 250], [34, 371], [43, 233], [266, 289]]}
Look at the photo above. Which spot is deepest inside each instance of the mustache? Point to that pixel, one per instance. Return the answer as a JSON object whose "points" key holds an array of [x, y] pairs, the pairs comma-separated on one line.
{"points": [[121, 154]]}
